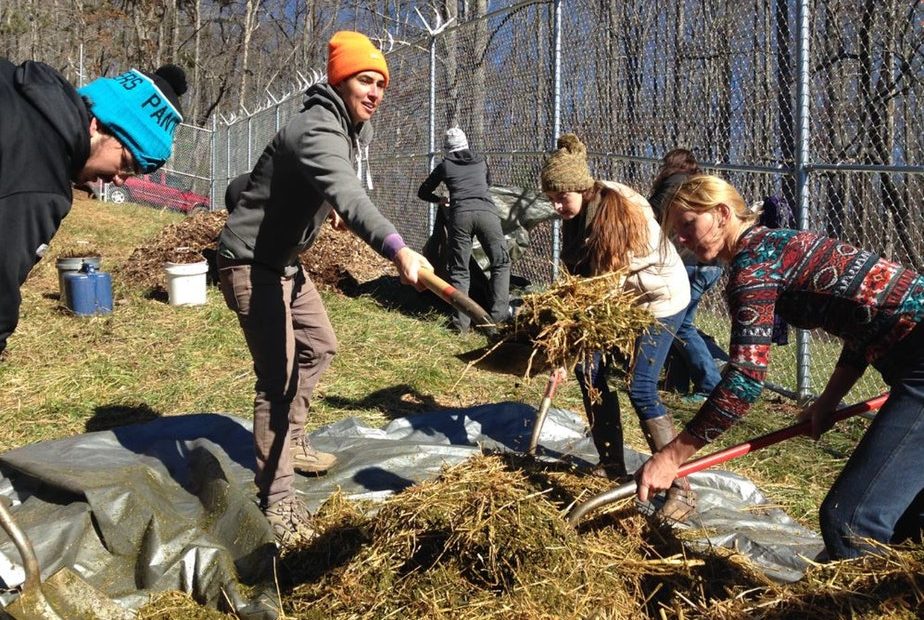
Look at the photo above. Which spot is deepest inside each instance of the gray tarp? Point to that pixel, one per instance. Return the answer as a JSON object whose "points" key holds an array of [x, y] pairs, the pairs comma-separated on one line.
{"points": [[168, 504]]}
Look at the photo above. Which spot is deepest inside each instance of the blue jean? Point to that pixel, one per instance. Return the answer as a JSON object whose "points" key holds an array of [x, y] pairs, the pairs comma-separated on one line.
{"points": [[703, 370], [879, 495], [650, 352]]}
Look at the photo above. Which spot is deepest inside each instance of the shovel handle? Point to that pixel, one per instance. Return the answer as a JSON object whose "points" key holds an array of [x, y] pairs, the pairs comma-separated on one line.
{"points": [[457, 299], [33, 582], [704, 462], [555, 378]]}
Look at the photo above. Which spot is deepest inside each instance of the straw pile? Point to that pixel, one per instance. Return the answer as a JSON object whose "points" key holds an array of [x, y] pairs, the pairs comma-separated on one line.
{"points": [[175, 605], [487, 540], [483, 540], [577, 317]]}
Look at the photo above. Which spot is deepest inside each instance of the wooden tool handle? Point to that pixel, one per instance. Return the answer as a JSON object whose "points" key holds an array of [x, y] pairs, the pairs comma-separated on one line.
{"points": [[458, 300]]}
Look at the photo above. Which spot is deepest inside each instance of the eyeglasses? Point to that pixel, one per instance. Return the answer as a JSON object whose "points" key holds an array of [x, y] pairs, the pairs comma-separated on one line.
{"points": [[127, 166]]}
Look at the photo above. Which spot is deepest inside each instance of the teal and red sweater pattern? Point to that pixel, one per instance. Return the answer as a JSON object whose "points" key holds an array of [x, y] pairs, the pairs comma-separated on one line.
{"points": [[813, 282]]}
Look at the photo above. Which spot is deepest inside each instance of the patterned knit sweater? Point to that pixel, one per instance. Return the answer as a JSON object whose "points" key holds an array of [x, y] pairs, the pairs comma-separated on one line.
{"points": [[813, 282]]}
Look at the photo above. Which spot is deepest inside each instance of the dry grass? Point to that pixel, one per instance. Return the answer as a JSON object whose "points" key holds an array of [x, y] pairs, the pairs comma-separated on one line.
{"points": [[577, 317]]}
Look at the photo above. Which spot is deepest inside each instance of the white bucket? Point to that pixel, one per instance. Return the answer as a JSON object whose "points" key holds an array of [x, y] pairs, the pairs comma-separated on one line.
{"points": [[186, 283]]}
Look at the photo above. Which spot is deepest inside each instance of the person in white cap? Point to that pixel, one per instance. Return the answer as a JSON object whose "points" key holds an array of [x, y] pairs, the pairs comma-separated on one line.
{"points": [[472, 214]]}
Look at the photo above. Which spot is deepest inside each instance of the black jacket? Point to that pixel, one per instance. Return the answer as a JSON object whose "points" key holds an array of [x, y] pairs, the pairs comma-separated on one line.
{"points": [[44, 143], [466, 176]]}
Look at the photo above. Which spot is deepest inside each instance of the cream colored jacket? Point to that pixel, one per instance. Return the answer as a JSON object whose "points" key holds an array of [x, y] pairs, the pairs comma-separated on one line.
{"points": [[659, 277]]}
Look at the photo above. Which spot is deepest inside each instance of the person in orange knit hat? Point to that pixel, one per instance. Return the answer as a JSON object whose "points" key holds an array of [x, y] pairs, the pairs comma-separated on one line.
{"points": [[349, 51], [304, 177]]}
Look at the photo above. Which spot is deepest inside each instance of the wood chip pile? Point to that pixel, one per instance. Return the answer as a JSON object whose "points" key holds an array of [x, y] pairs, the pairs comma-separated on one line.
{"points": [[181, 242], [336, 259]]}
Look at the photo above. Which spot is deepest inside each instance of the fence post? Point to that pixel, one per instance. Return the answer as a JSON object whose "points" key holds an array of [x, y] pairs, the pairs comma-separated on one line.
{"points": [[431, 149], [249, 142], [803, 154], [213, 164], [228, 151], [556, 121]]}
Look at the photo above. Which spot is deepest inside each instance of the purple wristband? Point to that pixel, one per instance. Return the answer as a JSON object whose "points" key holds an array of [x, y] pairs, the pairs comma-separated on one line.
{"points": [[392, 245]]}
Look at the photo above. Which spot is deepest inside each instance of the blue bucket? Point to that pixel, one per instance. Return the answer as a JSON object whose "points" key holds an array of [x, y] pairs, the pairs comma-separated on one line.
{"points": [[73, 265], [89, 291]]}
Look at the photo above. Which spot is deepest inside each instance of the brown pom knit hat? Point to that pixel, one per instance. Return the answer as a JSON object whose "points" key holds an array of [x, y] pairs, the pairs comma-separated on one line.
{"points": [[566, 169]]}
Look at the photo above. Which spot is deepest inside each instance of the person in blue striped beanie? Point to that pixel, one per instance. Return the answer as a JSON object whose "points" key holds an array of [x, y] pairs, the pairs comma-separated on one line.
{"points": [[53, 136], [140, 110]]}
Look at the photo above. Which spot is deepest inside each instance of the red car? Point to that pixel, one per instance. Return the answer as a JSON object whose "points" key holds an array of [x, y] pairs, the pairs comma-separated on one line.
{"points": [[160, 189]]}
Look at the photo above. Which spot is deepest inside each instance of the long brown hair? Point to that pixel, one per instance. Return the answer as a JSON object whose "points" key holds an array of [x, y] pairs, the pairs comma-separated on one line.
{"points": [[620, 231]]}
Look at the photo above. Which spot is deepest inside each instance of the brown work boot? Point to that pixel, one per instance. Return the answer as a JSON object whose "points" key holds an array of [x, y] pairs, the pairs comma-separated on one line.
{"points": [[307, 460], [680, 501], [292, 523]]}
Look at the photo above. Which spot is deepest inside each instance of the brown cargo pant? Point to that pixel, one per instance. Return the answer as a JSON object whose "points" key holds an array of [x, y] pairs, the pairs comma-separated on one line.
{"points": [[292, 343]]}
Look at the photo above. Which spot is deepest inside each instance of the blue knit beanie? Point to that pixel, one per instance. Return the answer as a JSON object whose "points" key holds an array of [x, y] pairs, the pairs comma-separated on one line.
{"points": [[140, 110]]}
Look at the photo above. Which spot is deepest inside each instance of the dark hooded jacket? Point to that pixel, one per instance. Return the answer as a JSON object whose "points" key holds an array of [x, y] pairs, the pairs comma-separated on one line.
{"points": [[466, 177], [305, 171], [44, 143]]}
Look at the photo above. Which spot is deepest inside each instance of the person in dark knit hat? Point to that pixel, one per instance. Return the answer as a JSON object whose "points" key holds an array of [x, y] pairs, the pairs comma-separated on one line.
{"points": [[304, 176], [52, 136], [610, 227], [471, 214]]}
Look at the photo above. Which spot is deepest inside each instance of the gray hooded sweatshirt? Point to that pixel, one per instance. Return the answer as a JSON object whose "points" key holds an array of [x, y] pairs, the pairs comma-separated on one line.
{"points": [[302, 174]]}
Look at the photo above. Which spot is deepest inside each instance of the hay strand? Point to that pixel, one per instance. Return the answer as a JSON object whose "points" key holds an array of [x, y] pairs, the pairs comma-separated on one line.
{"points": [[577, 317]]}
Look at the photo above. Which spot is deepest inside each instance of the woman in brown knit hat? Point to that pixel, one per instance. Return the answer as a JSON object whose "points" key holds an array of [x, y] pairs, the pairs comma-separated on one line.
{"points": [[610, 227]]}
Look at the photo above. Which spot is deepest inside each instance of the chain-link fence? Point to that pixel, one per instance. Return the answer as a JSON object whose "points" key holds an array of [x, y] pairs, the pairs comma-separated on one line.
{"points": [[815, 102]]}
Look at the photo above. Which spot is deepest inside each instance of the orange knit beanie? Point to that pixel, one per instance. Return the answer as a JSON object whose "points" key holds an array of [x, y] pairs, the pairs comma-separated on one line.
{"points": [[349, 53]]}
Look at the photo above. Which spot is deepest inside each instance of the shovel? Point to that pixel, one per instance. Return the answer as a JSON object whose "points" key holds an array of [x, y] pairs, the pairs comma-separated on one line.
{"points": [[802, 428], [555, 378], [63, 596], [458, 300]]}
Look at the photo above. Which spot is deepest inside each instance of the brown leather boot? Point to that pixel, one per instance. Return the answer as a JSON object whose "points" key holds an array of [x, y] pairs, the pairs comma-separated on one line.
{"points": [[681, 501]]}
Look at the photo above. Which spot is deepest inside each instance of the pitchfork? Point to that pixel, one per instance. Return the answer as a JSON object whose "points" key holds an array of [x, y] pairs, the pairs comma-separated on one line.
{"points": [[802, 428]]}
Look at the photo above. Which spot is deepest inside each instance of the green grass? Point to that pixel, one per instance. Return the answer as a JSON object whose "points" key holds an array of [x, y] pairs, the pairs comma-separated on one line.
{"points": [[64, 375]]}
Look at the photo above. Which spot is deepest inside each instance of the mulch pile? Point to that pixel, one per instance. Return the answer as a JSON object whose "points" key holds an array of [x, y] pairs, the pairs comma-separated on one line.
{"points": [[487, 539], [337, 259]]}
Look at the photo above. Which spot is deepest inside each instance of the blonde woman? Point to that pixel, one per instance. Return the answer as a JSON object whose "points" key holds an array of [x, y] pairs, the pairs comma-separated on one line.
{"points": [[875, 306], [610, 227]]}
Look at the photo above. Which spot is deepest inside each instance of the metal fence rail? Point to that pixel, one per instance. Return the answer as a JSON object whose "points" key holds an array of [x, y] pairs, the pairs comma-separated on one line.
{"points": [[817, 102]]}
